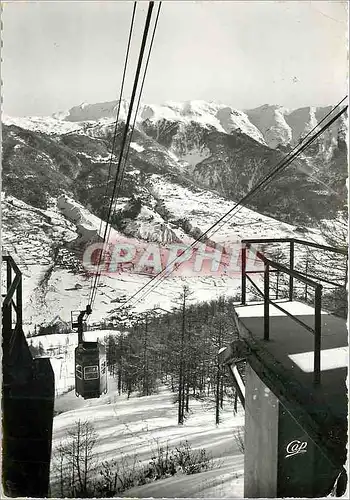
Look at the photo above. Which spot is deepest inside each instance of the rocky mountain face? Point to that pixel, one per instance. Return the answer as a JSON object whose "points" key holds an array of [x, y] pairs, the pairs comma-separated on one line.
{"points": [[187, 165], [210, 145]]}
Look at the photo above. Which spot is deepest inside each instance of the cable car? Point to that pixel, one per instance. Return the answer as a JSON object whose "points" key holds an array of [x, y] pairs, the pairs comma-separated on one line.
{"points": [[90, 363], [90, 370]]}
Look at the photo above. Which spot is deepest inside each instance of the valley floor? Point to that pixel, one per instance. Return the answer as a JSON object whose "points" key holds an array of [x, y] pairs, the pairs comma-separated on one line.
{"points": [[137, 426]]}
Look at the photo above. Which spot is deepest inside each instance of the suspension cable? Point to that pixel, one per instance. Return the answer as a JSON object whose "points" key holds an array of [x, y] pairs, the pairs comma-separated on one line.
{"points": [[136, 112], [117, 120], [126, 129]]}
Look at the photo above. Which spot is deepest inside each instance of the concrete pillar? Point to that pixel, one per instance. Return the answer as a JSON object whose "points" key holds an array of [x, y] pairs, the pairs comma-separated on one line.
{"points": [[261, 438], [280, 457]]}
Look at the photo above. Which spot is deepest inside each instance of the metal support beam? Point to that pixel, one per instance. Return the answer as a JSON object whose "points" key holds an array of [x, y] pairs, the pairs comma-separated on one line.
{"points": [[8, 309], [318, 328], [237, 382], [266, 302], [291, 266], [19, 301], [244, 278]]}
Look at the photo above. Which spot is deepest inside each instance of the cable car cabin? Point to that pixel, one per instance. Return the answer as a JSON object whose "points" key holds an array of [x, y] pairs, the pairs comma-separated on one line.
{"points": [[90, 370]]}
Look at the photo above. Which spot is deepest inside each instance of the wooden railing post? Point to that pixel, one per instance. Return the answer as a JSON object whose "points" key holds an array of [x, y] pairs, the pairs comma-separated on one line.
{"points": [[291, 267], [266, 301], [318, 328], [243, 273]]}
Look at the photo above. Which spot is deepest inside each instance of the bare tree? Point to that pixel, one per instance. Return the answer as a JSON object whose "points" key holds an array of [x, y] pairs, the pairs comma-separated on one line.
{"points": [[75, 460], [183, 365]]}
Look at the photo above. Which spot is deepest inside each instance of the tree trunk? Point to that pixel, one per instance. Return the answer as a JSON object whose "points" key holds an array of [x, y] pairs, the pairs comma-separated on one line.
{"points": [[187, 392], [180, 413], [145, 382], [119, 382], [217, 396], [183, 395], [85, 461], [188, 368], [73, 469], [181, 392], [222, 392], [78, 453]]}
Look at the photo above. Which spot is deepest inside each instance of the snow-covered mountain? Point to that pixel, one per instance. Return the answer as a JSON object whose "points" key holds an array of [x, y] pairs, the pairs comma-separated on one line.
{"points": [[223, 118], [281, 126], [271, 125], [207, 142], [188, 164]]}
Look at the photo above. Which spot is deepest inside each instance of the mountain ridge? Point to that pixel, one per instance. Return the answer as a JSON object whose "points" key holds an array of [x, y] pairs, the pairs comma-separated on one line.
{"points": [[186, 140], [269, 124]]}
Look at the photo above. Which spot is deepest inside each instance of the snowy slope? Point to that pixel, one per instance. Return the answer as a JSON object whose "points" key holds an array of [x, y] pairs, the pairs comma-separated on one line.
{"points": [[57, 342], [227, 481], [46, 124], [223, 118], [93, 112], [270, 120], [136, 426], [267, 124], [201, 208], [55, 281]]}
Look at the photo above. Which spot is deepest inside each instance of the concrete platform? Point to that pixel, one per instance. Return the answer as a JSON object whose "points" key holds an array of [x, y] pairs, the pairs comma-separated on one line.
{"points": [[288, 356]]}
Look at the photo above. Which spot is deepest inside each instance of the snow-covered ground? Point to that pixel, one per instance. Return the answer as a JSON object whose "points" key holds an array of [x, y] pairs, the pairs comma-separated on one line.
{"points": [[216, 483], [204, 208], [136, 426]]}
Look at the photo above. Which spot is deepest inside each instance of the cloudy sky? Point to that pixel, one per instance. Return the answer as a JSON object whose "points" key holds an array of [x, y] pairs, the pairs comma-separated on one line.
{"points": [[242, 53]]}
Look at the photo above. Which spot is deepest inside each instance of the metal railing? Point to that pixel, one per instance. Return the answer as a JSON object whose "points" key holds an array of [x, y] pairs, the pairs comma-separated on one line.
{"points": [[271, 266]]}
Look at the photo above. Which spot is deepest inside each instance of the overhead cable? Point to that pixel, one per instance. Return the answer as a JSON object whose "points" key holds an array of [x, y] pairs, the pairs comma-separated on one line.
{"points": [[123, 143], [117, 120]]}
